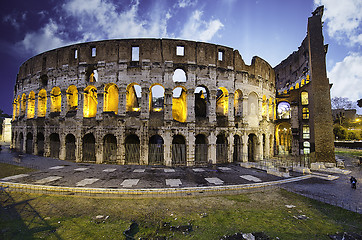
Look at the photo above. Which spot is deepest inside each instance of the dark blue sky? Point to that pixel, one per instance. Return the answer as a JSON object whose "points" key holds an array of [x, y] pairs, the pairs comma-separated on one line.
{"points": [[270, 29]]}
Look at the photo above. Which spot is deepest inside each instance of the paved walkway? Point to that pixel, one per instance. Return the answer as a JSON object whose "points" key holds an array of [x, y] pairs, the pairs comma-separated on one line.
{"points": [[58, 173]]}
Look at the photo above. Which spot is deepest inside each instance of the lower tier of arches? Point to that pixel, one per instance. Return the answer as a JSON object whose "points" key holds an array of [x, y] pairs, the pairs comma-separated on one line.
{"points": [[179, 146]]}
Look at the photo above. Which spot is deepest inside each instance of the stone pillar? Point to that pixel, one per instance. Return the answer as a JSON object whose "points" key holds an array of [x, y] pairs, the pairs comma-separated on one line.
{"points": [[122, 101], [245, 147], [80, 103], [168, 105], [245, 108], [212, 107], [230, 148], [259, 147], [144, 144], [212, 147], [167, 148], [190, 105], [191, 148], [99, 147], [49, 104], [35, 145], [78, 147], [267, 147], [260, 109], [145, 111], [100, 97], [36, 106], [63, 108], [231, 107], [62, 150], [121, 148]]}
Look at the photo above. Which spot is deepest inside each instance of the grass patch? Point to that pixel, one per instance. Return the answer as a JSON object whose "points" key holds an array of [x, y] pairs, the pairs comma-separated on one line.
{"points": [[349, 152], [210, 217], [7, 170]]}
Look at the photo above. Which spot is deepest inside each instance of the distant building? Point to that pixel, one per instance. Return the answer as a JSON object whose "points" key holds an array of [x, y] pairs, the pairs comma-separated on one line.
{"points": [[345, 114], [6, 130]]}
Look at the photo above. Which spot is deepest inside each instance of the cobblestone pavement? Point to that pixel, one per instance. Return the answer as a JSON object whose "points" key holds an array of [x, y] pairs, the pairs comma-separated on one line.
{"points": [[55, 172]]}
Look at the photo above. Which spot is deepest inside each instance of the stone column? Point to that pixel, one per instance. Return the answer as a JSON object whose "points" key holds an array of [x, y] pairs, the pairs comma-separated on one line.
{"points": [[63, 108], [78, 147], [259, 147], [191, 148], [62, 150], [190, 105], [245, 108], [245, 147], [168, 105], [99, 147], [145, 111], [212, 148], [144, 144], [49, 104], [36, 105], [80, 103], [167, 148], [230, 148], [122, 101], [260, 109], [212, 107], [100, 97], [231, 107]]}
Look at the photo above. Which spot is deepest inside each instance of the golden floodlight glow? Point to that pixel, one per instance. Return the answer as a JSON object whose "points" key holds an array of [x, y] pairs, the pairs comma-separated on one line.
{"points": [[56, 100], [179, 106], [23, 104], [90, 102], [72, 98], [157, 109], [31, 105], [131, 96], [222, 103], [42, 103], [111, 98]]}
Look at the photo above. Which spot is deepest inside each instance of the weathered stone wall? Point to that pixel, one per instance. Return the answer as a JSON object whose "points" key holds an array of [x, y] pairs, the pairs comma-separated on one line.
{"points": [[210, 66]]}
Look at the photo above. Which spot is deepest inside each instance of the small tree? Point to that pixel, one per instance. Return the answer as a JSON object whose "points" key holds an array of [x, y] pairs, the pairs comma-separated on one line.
{"points": [[341, 103]]}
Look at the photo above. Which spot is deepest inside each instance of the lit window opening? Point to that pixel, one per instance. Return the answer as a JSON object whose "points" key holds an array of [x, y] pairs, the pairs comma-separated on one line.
{"points": [[94, 52], [220, 55], [135, 54], [76, 54], [305, 112], [180, 50]]}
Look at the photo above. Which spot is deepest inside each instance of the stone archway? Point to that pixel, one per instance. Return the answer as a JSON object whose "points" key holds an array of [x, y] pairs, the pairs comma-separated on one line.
{"points": [[155, 150], [178, 151], [201, 150], [70, 147], [54, 145], [89, 148], [132, 149], [252, 153], [110, 149]]}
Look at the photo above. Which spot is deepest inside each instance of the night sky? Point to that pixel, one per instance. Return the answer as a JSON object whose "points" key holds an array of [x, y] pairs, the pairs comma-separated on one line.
{"points": [[270, 29]]}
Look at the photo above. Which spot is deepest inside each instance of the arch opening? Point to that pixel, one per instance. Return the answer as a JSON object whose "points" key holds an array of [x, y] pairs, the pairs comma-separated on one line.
{"points": [[111, 98], [29, 143], [178, 151], [201, 100], [238, 103], [54, 145], [157, 97], [42, 103], [179, 75], [72, 98], [179, 104], [70, 147], [40, 143], [56, 100], [222, 101], [252, 147], [283, 138], [89, 148], [110, 149], [237, 156], [133, 96], [23, 104], [132, 149], [90, 102], [201, 150], [31, 105], [156, 150], [283, 110]]}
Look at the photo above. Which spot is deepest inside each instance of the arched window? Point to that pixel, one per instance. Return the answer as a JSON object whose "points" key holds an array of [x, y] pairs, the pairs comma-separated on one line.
{"points": [[157, 97], [253, 106], [42, 103], [23, 104], [283, 110], [222, 102], [31, 105], [15, 103], [110, 98], [238, 103], [72, 98], [56, 100], [90, 102], [201, 100], [133, 96], [179, 104], [179, 75], [304, 98]]}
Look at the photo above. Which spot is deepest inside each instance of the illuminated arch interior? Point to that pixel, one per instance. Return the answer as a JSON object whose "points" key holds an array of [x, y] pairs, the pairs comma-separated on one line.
{"points": [[18, 106], [42, 103], [23, 104], [283, 138], [111, 98], [222, 101], [90, 102], [133, 97], [157, 96], [56, 100], [72, 98], [264, 106], [179, 104], [31, 105]]}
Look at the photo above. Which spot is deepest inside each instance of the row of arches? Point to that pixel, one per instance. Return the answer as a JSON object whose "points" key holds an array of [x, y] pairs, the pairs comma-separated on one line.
{"points": [[36, 106], [131, 148]]}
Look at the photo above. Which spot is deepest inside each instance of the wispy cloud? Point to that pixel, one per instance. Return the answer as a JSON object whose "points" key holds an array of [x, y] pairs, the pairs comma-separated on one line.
{"points": [[198, 29], [343, 19], [346, 77]]}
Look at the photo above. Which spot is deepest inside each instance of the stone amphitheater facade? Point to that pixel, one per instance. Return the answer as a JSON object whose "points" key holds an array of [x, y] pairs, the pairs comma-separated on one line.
{"points": [[145, 101]]}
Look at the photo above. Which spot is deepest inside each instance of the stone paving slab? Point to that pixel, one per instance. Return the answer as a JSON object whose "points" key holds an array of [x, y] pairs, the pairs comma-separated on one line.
{"points": [[198, 170], [224, 168], [251, 178], [139, 170], [215, 181], [109, 169], [86, 181], [15, 177], [173, 182], [56, 167], [48, 179], [81, 169], [127, 183], [169, 170]]}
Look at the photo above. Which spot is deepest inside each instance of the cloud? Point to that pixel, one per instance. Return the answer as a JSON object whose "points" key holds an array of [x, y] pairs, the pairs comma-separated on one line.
{"points": [[186, 3], [46, 38], [346, 77], [11, 19], [343, 19], [198, 29]]}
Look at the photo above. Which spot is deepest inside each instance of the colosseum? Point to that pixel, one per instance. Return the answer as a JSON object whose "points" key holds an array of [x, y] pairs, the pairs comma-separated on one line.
{"points": [[165, 102]]}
